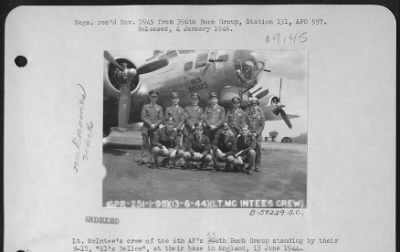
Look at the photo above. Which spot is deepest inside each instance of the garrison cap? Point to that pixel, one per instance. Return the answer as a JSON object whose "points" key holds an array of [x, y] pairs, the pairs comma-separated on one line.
{"points": [[213, 94], [253, 101], [170, 120], [174, 95], [198, 126], [152, 92], [236, 100], [226, 126], [195, 95]]}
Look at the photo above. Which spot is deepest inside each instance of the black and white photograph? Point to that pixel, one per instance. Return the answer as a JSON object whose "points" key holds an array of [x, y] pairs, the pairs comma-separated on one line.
{"points": [[205, 128]]}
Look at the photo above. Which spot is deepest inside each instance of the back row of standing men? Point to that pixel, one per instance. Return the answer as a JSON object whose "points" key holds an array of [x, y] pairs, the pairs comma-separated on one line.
{"points": [[202, 135]]}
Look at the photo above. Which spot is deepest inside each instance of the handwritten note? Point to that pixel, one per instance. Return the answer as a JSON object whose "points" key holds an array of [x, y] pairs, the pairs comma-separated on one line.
{"points": [[83, 133]]}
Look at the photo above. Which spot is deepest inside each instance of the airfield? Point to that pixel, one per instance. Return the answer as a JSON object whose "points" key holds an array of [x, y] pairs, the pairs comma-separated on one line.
{"points": [[282, 176]]}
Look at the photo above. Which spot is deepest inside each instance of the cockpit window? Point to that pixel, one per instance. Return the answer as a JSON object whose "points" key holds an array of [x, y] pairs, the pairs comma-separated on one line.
{"points": [[201, 60]]}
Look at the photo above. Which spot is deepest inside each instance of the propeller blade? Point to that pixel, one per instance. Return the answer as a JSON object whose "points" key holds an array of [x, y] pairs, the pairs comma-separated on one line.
{"points": [[279, 111], [262, 94], [267, 70], [286, 118], [111, 59], [152, 66]]}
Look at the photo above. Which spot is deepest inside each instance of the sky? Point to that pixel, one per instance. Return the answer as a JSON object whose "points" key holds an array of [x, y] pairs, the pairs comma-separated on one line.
{"points": [[291, 66]]}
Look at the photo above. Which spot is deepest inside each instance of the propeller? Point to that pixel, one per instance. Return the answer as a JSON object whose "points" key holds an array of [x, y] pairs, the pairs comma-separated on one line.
{"points": [[111, 59], [152, 66], [279, 108], [127, 75]]}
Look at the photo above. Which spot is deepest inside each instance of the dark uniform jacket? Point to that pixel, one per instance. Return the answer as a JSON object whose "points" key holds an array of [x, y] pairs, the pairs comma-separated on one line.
{"points": [[168, 139], [256, 121], [214, 115], [236, 118], [196, 144], [246, 143], [194, 114], [152, 114], [177, 113], [226, 143]]}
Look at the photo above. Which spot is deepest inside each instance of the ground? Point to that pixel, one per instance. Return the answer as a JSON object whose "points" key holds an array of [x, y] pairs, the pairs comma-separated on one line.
{"points": [[282, 176]]}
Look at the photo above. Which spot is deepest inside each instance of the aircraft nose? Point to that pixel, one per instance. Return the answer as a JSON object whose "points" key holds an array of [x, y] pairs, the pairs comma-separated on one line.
{"points": [[249, 66]]}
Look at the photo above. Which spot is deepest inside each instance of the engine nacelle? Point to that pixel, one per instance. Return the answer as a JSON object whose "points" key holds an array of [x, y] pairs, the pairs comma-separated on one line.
{"points": [[112, 81]]}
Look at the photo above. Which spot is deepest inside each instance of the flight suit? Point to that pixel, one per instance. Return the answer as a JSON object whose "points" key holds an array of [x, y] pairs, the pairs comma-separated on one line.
{"points": [[200, 145], [224, 147], [151, 114], [165, 143], [193, 115], [256, 122], [214, 115], [235, 118], [246, 145]]}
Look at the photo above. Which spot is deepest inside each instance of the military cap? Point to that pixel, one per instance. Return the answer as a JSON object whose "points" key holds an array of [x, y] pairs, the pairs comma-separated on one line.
{"points": [[170, 120], [154, 92], [226, 126], [245, 126], [195, 95], [253, 101], [198, 126], [213, 94], [236, 100], [174, 95]]}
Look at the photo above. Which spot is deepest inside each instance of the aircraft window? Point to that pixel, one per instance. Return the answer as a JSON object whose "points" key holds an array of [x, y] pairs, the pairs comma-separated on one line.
{"points": [[185, 51], [188, 66], [201, 60]]}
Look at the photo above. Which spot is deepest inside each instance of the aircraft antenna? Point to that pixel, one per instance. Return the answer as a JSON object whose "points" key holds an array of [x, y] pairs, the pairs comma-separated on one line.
{"points": [[280, 87]]}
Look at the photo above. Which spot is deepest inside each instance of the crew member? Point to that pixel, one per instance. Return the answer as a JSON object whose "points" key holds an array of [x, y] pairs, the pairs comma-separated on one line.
{"points": [[256, 122], [165, 142], [224, 147], [193, 115], [246, 146], [236, 117], [214, 116], [175, 111], [152, 116], [197, 148]]}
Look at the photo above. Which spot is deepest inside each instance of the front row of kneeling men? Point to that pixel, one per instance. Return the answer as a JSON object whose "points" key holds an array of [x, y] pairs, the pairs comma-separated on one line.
{"points": [[237, 151], [195, 137]]}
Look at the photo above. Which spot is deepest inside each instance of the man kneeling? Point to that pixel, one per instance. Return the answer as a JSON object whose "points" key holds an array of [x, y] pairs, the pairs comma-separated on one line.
{"points": [[197, 148], [224, 147], [166, 143], [246, 147]]}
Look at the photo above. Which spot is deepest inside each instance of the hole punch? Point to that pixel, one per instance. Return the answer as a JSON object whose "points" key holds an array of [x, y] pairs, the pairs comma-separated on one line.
{"points": [[21, 61]]}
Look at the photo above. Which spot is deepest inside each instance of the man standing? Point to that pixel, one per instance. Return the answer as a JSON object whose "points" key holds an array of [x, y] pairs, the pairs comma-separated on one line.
{"points": [[214, 116], [193, 114], [165, 142], [197, 148], [256, 122], [224, 147], [152, 116], [246, 146], [175, 111], [236, 117]]}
